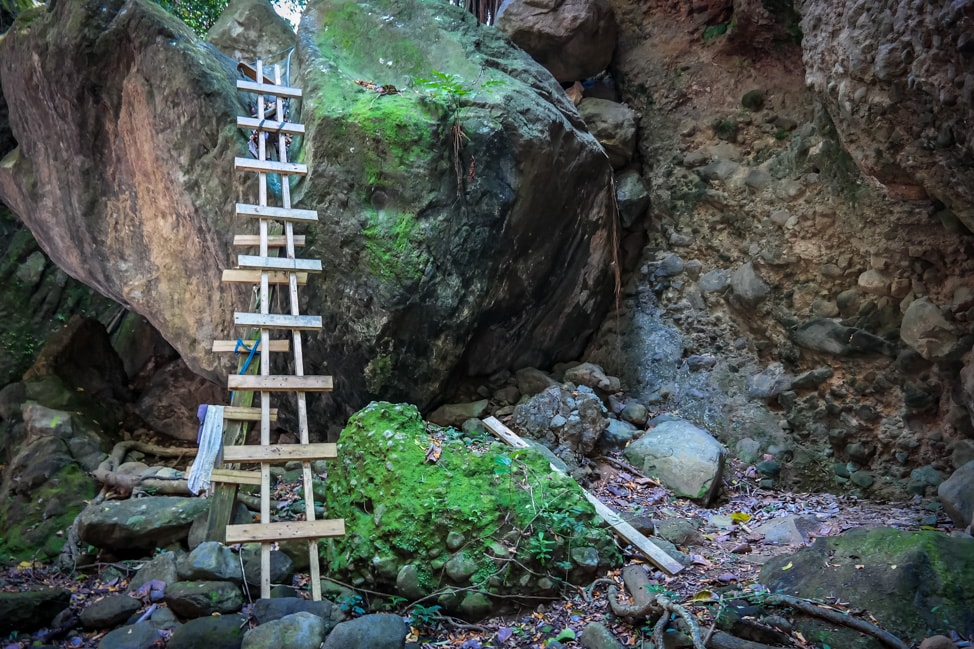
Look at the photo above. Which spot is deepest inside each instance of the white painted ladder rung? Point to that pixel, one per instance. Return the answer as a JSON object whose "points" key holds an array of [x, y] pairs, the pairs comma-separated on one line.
{"points": [[277, 321], [279, 263], [223, 346], [268, 89], [280, 383], [270, 126], [273, 241], [280, 453], [243, 276], [276, 213], [285, 531], [270, 166]]}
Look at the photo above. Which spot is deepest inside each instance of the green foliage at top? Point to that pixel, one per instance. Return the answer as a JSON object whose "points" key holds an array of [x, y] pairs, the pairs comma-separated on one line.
{"points": [[198, 14]]}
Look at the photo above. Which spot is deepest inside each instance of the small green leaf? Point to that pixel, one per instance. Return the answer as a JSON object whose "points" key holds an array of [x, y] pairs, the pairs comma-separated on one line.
{"points": [[566, 634]]}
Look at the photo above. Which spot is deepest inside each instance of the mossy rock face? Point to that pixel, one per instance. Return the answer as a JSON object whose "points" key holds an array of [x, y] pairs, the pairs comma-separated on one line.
{"points": [[917, 584], [428, 510]]}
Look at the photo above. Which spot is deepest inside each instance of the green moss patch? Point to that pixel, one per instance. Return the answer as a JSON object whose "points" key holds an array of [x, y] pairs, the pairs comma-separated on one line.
{"points": [[429, 510]]}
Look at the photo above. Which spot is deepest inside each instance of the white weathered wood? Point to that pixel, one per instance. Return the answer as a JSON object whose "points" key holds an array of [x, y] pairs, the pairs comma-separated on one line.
{"points": [[279, 383], [279, 263], [277, 321], [270, 126], [270, 166], [231, 476], [241, 276], [245, 413], [221, 346], [277, 241], [627, 532], [277, 213], [268, 89], [285, 531], [279, 453]]}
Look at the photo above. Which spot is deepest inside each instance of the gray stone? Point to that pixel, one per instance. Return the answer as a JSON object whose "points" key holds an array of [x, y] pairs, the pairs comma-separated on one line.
{"points": [[787, 530], [771, 382], [378, 631], [614, 126], [300, 630], [748, 286], [192, 599], [719, 170], [142, 635], [748, 450], [632, 197], [812, 378], [282, 566], [460, 567], [635, 413], [508, 395], [670, 266], [248, 30], [956, 493], [139, 524], [210, 632], [596, 635], [827, 335], [862, 479], [109, 611], [962, 453], [574, 40], [531, 381], [593, 376], [475, 606], [409, 583], [210, 561], [569, 422], [161, 567], [454, 414], [31, 609], [617, 435], [265, 610], [753, 99], [925, 329], [874, 282], [687, 459], [714, 280], [758, 178], [679, 531]]}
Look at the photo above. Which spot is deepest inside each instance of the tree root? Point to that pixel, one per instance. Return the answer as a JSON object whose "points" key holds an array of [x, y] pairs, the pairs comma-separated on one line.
{"points": [[127, 484], [842, 619]]}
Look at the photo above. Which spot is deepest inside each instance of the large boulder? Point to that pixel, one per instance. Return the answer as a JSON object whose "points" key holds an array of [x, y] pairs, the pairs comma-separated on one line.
{"points": [[896, 79], [685, 458], [574, 39], [139, 524], [440, 259], [470, 520], [957, 495], [31, 609], [915, 583]]}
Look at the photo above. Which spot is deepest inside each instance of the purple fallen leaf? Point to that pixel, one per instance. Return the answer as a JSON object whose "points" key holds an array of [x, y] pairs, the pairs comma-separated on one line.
{"points": [[504, 634]]}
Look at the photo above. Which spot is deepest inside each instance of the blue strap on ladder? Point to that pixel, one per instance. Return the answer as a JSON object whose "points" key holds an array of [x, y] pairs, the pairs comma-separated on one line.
{"points": [[250, 357]]}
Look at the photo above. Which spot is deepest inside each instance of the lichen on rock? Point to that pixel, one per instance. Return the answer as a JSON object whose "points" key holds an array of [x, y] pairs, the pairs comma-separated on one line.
{"points": [[429, 511]]}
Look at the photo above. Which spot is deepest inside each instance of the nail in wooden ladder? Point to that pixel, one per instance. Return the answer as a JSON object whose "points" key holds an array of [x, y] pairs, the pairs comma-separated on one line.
{"points": [[265, 270]]}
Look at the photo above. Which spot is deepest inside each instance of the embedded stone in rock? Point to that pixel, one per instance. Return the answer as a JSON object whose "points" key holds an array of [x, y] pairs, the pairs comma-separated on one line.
{"points": [[109, 611], [573, 39], [769, 383], [568, 422], [632, 197], [31, 609], [139, 524], [748, 286], [635, 413], [828, 335], [956, 493], [914, 583], [454, 414], [376, 631], [296, 631], [192, 599], [210, 632], [685, 458], [614, 126], [874, 282], [926, 330]]}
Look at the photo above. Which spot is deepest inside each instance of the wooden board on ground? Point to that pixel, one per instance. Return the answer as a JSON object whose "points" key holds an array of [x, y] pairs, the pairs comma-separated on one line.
{"points": [[624, 530]]}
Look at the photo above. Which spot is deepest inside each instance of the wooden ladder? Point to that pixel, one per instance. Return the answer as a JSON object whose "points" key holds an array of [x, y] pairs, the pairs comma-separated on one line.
{"points": [[265, 269]]}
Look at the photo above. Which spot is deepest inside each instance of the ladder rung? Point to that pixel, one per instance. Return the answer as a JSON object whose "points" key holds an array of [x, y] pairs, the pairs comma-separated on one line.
{"points": [[243, 413], [270, 125], [276, 241], [278, 213], [277, 321], [285, 531], [279, 383], [267, 89], [279, 263], [229, 476], [242, 276], [280, 452], [269, 166], [282, 345]]}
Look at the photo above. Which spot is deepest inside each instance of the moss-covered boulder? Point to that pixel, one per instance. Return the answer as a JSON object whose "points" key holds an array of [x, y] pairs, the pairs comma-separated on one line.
{"points": [[916, 584], [429, 511]]}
